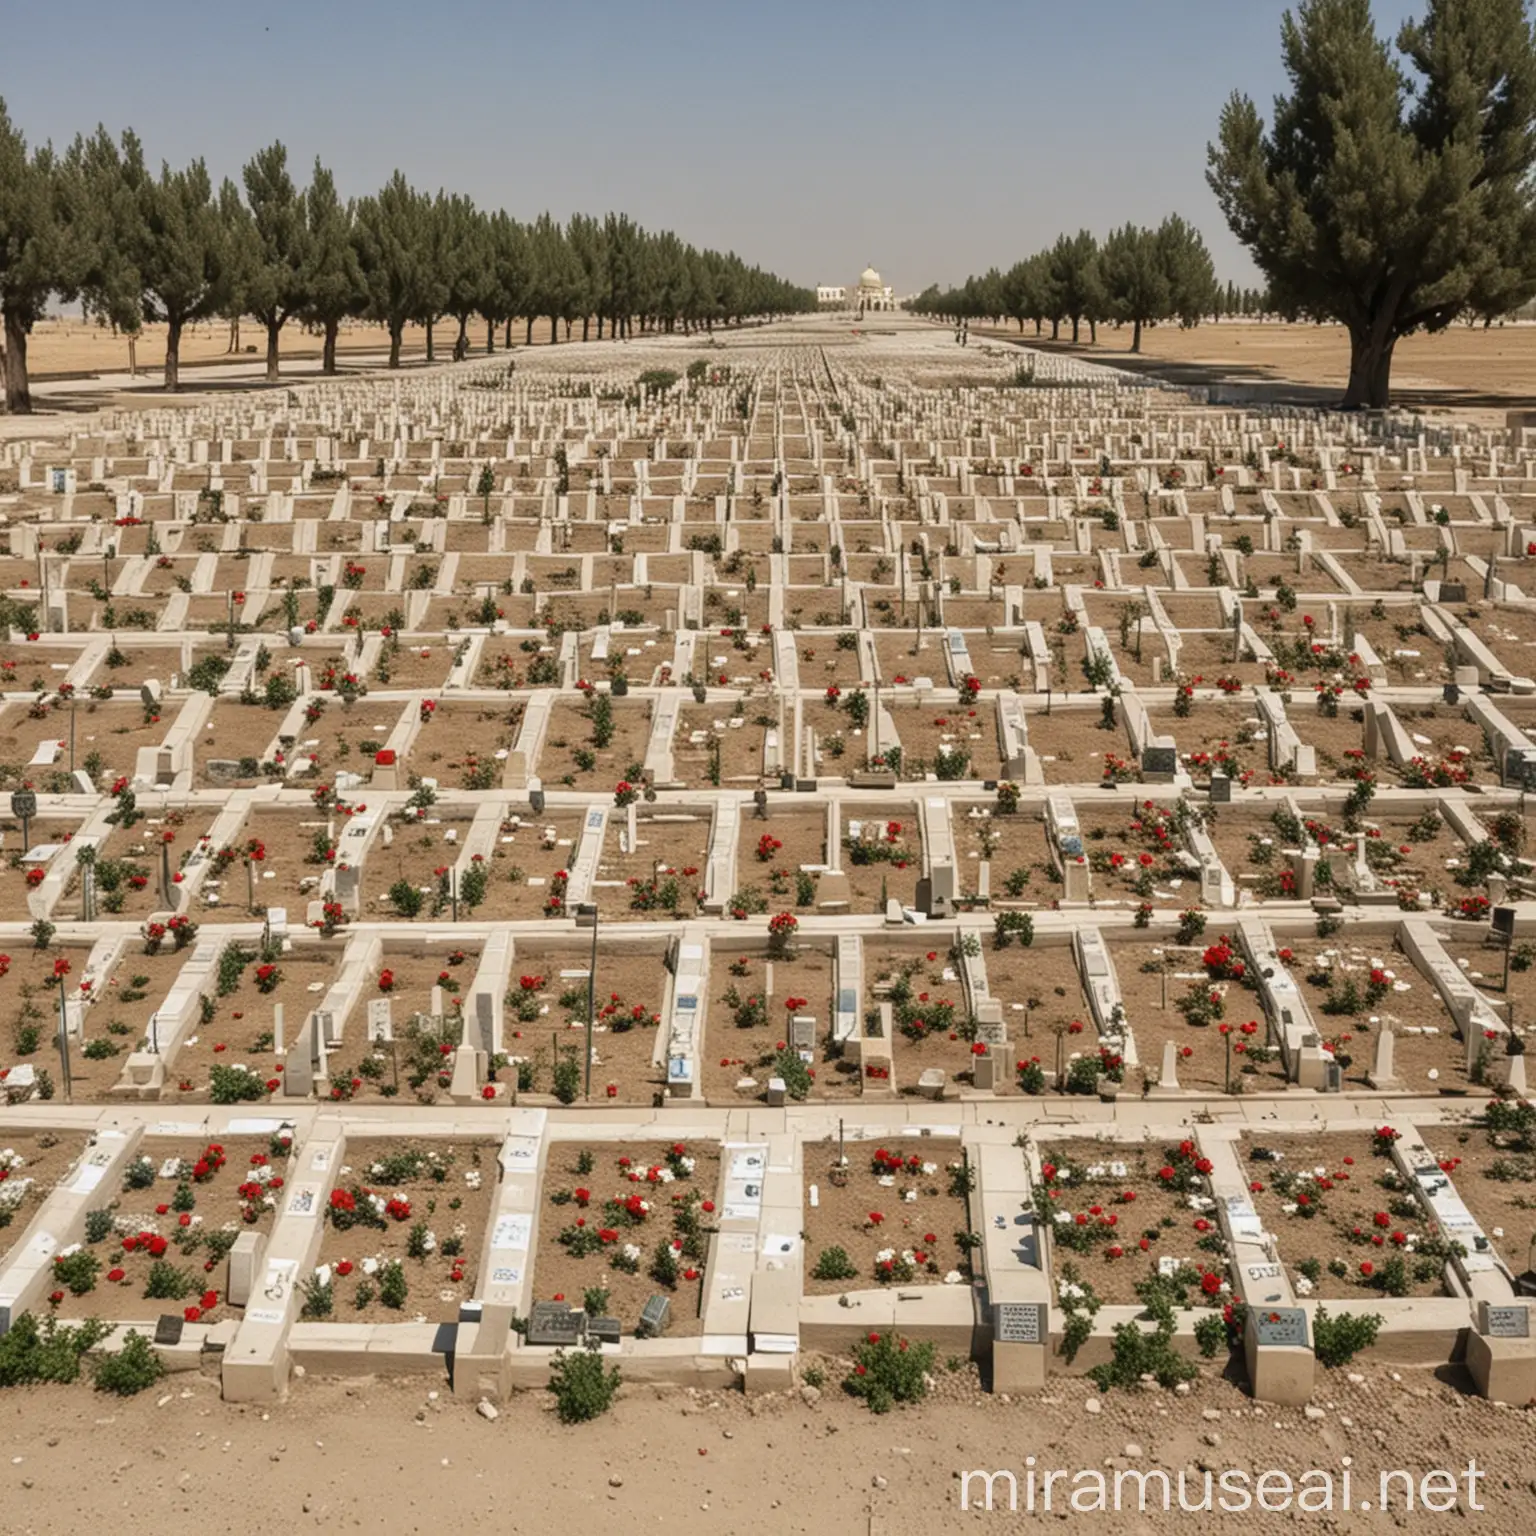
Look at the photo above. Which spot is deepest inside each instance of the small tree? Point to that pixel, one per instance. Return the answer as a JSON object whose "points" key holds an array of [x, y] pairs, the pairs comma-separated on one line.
{"points": [[584, 1387]]}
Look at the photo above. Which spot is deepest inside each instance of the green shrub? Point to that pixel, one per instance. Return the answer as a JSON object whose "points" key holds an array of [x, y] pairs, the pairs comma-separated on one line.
{"points": [[78, 1271], [392, 1284], [168, 1283], [133, 1368], [584, 1387], [834, 1264], [231, 1085], [46, 1351], [405, 898], [1337, 1340], [889, 1370]]}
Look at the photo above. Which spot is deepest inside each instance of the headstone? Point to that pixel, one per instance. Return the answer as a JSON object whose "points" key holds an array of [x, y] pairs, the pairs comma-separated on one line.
{"points": [[654, 1317], [380, 1023], [1019, 1322], [984, 1073], [606, 1330], [1221, 789], [1160, 762], [555, 1323], [169, 1329], [777, 1091], [802, 1032]]}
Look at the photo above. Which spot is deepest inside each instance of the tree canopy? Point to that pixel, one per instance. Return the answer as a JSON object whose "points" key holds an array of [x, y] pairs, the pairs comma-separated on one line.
{"points": [[1391, 194]]}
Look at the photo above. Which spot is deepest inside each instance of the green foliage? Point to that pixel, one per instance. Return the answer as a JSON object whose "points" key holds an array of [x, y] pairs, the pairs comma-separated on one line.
{"points": [[888, 1370], [1428, 182], [132, 1369], [232, 1085], [584, 1387], [1337, 1340], [834, 1264], [46, 1351]]}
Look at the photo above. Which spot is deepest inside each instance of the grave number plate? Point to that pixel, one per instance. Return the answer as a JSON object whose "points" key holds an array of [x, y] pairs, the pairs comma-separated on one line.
{"points": [[1509, 1323], [1019, 1322], [1281, 1325]]}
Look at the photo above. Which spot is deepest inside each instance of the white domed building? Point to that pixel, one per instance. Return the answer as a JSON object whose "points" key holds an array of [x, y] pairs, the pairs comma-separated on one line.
{"points": [[869, 294]]}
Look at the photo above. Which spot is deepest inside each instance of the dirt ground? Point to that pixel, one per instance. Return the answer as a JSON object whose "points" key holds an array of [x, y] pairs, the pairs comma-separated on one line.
{"points": [[403, 1456], [1489, 371]]}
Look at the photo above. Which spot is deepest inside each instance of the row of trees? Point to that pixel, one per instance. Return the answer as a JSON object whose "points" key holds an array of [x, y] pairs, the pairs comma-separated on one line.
{"points": [[1137, 276], [95, 224]]}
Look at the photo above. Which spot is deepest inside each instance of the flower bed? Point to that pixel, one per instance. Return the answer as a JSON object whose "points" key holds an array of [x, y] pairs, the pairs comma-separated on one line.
{"points": [[1334, 736], [420, 855], [31, 1164], [530, 853], [1355, 992], [128, 865], [420, 664], [464, 744], [660, 876], [1116, 1211], [1014, 843], [771, 855], [619, 1223], [882, 854], [244, 734], [1347, 1225], [113, 731], [159, 1242], [1235, 1041], [338, 737], [747, 1027], [546, 1024], [292, 844], [1134, 854], [594, 745], [896, 1213], [404, 1230], [239, 1032], [1042, 997], [1215, 736], [954, 741]]}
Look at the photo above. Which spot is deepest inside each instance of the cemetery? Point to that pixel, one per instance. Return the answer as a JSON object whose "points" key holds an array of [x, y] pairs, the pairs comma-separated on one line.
{"points": [[994, 855]]}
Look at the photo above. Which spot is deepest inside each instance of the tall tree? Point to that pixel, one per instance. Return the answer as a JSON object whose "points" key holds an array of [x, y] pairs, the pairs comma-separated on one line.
{"points": [[1187, 267], [1387, 201], [1074, 268], [36, 252], [105, 183], [1135, 282], [393, 237], [183, 252], [276, 284], [333, 279]]}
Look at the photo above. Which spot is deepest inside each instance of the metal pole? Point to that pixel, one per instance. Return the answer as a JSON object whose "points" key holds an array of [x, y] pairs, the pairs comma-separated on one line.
{"points": [[591, 999], [73, 704], [26, 832], [453, 891], [230, 645], [165, 872]]}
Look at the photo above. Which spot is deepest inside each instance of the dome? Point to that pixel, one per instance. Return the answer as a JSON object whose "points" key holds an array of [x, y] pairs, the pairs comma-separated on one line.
{"points": [[869, 278]]}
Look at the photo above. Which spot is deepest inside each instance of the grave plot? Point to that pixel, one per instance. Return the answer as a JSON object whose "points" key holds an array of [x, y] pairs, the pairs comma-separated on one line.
{"points": [[1209, 656], [337, 737], [621, 1223], [463, 745], [1136, 854], [658, 877], [882, 854], [1509, 632], [1346, 1222], [240, 744], [1215, 736], [1271, 571], [772, 855], [911, 654], [31, 1164], [1119, 1214], [1220, 1047], [595, 745], [892, 1214], [418, 665], [1451, 749], [293, 845], [1250, 841], [1042, 997], [33, 668], [1492, 1168], [753, 1001], [403, 1230], [1076, 746], [827, 661], [1355, 992], [453, 613], [127, 866], [424, 986], [1015, 846], [230, 1054], [509, 663], [732, 656], [635, 655], [931, 1024], [1399, 637], [959, 742], [525, 869], [407, 871], [34, 738], [844, 739], [1339, 738], [1480, 957], [1409, 853], [712, 746], [46, 836], [161, 1239], [546, 1024]]}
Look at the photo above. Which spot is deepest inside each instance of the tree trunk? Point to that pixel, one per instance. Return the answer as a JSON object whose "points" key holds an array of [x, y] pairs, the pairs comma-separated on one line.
{"points": [[328, 350], [600, 320], [1093, 333], [1055, 330], [490, 337], [506, 339], [396, 331], [554, 330], [1370, 370], [274, 332], [461, 346], [586, 327], [1076, 320], [1037, 327], [173, 354], [133, 355], [529, 340], [567, 330], [1136, 336], [18, 395], [429, 341]]}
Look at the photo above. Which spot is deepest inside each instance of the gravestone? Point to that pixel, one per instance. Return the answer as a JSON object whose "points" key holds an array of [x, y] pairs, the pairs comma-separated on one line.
{"points": [[654, 1317], [802, 1032], [605, 1330], [380, 1023], [1159, 762], [555, 1323], [1221, 789], [1019, 1322]]}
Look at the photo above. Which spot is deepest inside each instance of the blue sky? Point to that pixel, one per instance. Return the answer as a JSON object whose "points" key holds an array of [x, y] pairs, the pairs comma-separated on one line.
{"points": [[930, 140]]}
